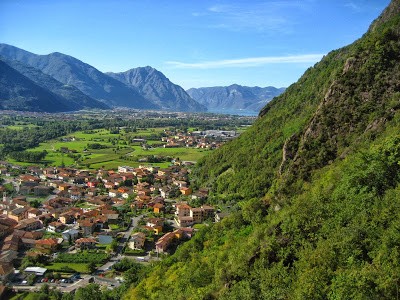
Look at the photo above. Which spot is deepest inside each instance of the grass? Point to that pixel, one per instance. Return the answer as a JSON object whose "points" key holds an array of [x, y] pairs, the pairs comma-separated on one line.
{"points": [[113, 155], [63, 267], [199, 226]]}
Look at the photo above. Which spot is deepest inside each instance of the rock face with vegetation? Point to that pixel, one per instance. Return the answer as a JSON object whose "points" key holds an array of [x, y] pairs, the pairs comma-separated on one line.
{"points": [[315, 184]]}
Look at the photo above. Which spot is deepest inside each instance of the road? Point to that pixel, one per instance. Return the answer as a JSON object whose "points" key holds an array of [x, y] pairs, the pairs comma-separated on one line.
{"points": [[122, 243], [124, 240]]}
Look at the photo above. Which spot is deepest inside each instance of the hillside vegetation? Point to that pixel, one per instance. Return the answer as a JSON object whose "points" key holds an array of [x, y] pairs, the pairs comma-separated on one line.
{"points": [[316, 180]]}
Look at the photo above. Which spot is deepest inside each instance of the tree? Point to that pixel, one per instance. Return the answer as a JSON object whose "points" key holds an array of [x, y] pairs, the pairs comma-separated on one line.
{"points": [[92, 267], [67, 296], [45, 289], [31, 279], [91, 291]]}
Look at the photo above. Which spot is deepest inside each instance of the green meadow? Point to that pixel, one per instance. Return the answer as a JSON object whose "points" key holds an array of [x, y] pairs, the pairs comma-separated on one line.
{"points": [[116, 149]]}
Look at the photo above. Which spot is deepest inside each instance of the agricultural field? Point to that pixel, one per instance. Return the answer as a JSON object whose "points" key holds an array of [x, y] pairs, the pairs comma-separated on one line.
{"points": [[116, 149]]}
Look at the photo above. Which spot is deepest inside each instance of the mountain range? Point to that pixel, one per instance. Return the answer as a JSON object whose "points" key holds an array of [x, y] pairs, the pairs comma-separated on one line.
{"points": [[78, 85], [63, 75], [310, 192], [234, 98]]}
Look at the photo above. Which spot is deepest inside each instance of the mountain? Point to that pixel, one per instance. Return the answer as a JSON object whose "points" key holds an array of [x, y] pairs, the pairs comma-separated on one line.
{"points": [[141, 88], [153, 85], [234, 97], [312, 188], [74, 97], [71, 71], [18, 92]]}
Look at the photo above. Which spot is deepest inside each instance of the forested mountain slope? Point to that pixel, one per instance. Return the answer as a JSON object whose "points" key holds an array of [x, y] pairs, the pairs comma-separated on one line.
{"points": [[316, 180]]}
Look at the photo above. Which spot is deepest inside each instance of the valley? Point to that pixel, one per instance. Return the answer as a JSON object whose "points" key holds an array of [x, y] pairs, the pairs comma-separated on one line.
{"points": [[154, 197]]}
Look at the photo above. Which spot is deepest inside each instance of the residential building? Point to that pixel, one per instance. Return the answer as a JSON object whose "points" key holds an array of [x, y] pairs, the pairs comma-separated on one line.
{"points": [[85, 243], [137, 240]]}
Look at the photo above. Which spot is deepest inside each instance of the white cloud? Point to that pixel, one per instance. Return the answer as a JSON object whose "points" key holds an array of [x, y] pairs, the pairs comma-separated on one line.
{"points": [[353, 6], [271, 16], [247, 62]]}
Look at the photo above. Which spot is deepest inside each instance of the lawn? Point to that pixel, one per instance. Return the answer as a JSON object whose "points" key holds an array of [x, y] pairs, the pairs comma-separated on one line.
{"points": [[65, 267]]}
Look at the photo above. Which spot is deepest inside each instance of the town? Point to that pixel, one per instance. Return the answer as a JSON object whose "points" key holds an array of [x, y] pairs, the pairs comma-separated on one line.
{"points": [[67, 227]]}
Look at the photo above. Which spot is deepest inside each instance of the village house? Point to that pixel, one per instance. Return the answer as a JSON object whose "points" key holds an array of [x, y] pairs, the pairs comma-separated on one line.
{"points": [[33, 212], [186, 191], [64, 187], [87, 226], [70, 234], [156, 224], [167, 239], [113, 193], [29, 224], [11, 242], [137, 240], [158, 208], [41, 190], [55, 227], [85, 243], [47, 245], [184, 221], [182, 210], [18, 214], [67, 217]]}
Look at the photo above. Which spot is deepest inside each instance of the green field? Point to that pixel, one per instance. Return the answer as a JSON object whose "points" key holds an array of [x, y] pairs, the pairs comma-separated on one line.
{"points": [[116, 151], [60, 267]]}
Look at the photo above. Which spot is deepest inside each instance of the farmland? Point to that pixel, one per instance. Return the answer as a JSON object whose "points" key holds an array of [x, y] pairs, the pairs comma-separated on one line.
{"points": [[92, 141], [115, 150]]}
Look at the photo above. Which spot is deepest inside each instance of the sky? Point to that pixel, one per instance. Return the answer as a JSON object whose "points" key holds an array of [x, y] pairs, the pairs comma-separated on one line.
{"points": [[195, 43]]}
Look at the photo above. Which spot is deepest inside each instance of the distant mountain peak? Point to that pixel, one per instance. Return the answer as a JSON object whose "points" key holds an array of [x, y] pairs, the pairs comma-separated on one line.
{"points": [[154, 85], [234, 98]]}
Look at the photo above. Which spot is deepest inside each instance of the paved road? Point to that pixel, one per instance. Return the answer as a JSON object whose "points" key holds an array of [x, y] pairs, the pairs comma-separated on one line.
{"points": [[123, 241]]}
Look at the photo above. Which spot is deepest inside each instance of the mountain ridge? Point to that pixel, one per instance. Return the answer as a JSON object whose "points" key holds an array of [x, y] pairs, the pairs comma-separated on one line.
{"points": [[17, 92], [113, 89], [234, 97], [71, 94], [154, 85]]}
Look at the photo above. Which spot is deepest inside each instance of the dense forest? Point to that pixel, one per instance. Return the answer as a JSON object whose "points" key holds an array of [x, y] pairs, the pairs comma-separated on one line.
{"points": [[316, 182]]}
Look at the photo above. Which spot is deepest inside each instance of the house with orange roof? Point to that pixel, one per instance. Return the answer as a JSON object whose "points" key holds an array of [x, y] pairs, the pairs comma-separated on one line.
{"points": [[158, 208], [88, 226], [186, 191], [47, 245], [29, 224], [182, 210]]}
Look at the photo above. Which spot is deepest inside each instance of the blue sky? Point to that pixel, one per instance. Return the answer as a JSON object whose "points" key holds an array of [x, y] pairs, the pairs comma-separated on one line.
{"points": [[194, 43]]}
